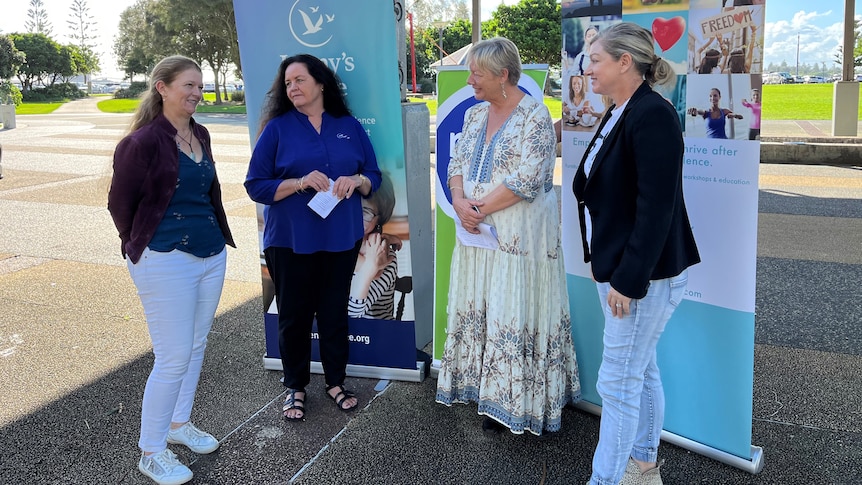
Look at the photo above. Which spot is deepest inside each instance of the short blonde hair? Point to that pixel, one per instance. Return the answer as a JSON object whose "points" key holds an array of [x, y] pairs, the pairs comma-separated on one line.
{"points": [[496, 54]]}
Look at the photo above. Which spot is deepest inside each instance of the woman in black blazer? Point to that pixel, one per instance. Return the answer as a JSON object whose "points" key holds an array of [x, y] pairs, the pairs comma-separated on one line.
{"points": [[638, 239]]}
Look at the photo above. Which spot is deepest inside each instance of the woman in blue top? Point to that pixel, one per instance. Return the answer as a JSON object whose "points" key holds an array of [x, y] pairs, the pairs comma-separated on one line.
{"points": [[715, 115], [310, 143]]}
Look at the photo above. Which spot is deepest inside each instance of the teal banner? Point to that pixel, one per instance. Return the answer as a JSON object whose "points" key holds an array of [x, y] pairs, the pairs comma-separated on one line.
{"points": [[357, 41], [706, 354]]}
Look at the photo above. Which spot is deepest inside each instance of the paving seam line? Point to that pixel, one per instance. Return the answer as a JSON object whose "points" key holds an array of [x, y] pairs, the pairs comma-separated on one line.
{"points": [[334, 438]]}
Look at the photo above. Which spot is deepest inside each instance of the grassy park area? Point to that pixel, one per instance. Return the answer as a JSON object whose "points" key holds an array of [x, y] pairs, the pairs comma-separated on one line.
{"points": [[780, 102]]}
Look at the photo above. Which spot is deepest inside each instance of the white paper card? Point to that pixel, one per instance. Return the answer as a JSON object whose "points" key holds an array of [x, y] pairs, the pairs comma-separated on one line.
{"points": [[487, 237], [323, 202]]}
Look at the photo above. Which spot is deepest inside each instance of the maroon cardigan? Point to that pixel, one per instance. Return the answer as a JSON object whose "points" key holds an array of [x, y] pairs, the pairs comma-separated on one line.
{"points": [[146, 167]]}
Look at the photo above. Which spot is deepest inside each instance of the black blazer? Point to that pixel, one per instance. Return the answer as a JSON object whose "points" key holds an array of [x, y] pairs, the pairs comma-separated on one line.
{"points": [[640, 228]]}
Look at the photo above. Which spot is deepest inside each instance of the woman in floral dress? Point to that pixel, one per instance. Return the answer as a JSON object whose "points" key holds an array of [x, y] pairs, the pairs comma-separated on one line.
{"points": [[509, 344]]}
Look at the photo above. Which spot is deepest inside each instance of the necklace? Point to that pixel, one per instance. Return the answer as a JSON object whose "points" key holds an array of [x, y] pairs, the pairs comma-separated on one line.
{"points": [[189, 143]]}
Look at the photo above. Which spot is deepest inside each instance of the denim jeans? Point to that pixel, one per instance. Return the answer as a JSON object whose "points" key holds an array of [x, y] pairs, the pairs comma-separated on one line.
{"points": [[180, 293], [629, 381]]}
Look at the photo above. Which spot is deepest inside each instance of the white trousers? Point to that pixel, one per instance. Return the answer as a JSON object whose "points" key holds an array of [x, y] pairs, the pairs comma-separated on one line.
{"points": [[180, 293]]}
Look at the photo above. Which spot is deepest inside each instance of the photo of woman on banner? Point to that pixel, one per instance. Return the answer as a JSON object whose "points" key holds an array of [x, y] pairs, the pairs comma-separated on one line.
{"points": [[637, 238], [577, 109], [508, 341], [715, 116], [165, 200], [309, 145], [720, 118], [755, 107], [372, 290]]}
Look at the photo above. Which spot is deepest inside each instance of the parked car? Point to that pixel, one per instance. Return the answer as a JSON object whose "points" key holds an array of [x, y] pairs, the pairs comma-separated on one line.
{"points": [[814, 79], [836, 78], [778, 78], [209, 87]]}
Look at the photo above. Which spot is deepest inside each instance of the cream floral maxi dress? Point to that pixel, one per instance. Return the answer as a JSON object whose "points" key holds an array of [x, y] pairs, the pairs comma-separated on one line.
{"points": [[509, 341]]}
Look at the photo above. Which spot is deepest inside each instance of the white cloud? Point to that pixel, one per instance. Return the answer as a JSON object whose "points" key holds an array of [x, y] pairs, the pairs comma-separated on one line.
{"points": [[814, 44]]}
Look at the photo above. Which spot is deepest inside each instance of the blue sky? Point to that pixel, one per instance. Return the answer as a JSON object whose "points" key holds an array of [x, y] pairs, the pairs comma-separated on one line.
{"points": [[817, 23], [819, 26]]}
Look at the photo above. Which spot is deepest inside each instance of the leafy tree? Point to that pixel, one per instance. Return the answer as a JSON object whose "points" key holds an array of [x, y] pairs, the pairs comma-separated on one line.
{"points": [[857, 46], [426, 12], [37, 19], [534, 26], [82, 25], [83, 28], [206, 32], [143, 38], [10, 57], [43, 58]]}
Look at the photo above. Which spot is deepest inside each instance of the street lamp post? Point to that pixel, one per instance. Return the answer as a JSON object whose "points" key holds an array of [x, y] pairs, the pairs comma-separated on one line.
{"points": [[440, 24]]}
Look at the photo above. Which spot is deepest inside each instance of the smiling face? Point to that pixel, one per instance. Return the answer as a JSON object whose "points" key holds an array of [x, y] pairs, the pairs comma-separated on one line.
{"points": [[755, 96], [182, 95], [486, 86], [714, 97], [369, 216], [302, 89]]}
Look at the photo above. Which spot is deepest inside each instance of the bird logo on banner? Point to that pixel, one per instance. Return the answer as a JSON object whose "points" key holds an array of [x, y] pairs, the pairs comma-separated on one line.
{"points": [[312, 22]]}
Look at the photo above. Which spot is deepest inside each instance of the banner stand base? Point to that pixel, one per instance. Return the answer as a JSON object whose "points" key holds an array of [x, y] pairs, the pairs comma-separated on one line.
{"points": [[753, 465], [391, 373]]}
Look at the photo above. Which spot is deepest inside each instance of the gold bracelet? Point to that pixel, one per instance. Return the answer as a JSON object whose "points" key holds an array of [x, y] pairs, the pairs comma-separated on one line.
{"points": [[299, 184], [362, 179], [452, 187]]}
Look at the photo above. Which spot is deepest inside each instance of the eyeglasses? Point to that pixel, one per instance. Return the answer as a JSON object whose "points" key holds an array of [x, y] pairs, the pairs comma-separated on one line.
{"points": [[368, 215]]}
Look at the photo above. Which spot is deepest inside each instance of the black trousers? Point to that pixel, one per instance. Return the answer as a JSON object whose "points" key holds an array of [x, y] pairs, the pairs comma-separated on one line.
{"points": [[309, 285]]}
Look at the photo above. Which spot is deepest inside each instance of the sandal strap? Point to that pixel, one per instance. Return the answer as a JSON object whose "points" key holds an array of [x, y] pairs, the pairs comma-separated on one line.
{"points": [[293, 402], [342, 395]]}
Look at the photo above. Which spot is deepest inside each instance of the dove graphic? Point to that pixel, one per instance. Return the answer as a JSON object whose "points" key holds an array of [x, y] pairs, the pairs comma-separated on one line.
{"points": [[309, 27], [330, 18]]}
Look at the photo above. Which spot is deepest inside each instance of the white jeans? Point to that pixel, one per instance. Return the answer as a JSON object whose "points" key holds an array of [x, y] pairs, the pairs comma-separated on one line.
{"points": [[180, 293]]}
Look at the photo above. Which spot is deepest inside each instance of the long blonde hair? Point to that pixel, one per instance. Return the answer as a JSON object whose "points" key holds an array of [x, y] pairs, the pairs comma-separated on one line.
{"points": [[151, 101]]}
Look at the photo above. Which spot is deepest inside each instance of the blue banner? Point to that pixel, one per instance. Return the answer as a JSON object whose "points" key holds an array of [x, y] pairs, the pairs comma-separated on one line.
{"points": [[357, 41]]}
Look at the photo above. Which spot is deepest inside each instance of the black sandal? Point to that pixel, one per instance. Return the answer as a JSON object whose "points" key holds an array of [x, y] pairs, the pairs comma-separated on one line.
{"points": [[291, 403], [342, 396]]}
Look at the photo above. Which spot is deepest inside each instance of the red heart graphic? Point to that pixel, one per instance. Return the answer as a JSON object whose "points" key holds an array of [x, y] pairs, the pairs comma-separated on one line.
{"points": [[667, 31], [739, 17]]}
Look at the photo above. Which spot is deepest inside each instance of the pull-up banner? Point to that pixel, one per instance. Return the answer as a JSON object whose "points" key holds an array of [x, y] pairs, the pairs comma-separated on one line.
{"points": [[706, 354], [357, 41]]}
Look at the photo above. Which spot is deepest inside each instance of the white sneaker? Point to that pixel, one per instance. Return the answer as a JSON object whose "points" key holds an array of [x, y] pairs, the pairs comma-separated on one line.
{"points": [[194, 439], [634, 476], [164, 468]]}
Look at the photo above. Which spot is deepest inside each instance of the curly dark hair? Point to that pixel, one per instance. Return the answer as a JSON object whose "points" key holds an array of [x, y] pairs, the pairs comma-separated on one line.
{"points": [[277, 103]]}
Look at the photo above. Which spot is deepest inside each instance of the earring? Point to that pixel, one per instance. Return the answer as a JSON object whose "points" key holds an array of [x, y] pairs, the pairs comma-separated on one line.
{"points": [[503, 88]]}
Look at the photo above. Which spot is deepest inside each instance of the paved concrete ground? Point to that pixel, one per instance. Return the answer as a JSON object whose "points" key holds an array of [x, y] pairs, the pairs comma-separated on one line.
{"points": [[74, 350]]}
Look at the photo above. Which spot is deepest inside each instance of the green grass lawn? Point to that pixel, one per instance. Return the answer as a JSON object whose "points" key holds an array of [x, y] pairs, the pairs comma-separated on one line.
{"points": [[36, 108], [799, 102], [129, 106], [118, 105]]}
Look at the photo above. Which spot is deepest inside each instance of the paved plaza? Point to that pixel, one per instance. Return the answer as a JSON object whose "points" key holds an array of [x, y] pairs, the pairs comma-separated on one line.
{"points": [[75, 353]]}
